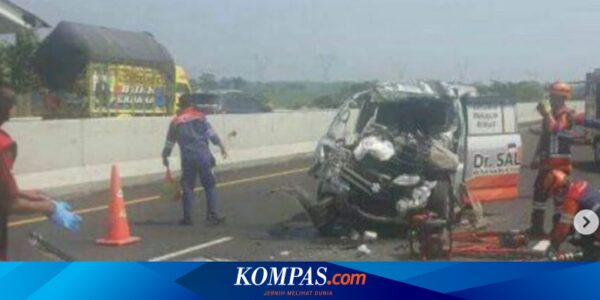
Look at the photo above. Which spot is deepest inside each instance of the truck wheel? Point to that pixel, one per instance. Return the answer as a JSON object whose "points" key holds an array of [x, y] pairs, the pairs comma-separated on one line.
{"points": [[439, 202]]}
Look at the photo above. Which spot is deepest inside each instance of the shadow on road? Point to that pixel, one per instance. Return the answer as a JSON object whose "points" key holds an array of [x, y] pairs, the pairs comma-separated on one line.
{"points": [[586, 166], [296, 227]]}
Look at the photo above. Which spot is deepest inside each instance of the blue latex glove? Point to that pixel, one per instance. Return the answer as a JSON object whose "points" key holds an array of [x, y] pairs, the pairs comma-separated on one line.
{"points": [[64, 217]]}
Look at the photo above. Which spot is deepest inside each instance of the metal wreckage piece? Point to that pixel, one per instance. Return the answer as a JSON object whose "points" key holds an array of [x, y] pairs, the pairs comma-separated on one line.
{"points": [[319, 213], [47, 248]]}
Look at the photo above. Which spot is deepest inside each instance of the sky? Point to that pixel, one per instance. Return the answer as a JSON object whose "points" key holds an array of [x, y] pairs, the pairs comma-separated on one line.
{"points": [[467, 40]]}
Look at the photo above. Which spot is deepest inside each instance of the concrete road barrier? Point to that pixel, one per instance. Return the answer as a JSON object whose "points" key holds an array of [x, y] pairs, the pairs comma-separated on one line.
{"points": [[526, 112], [63, 156]]}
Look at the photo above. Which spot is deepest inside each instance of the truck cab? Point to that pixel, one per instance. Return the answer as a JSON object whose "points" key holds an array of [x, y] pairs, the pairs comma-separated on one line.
{"points": [[182, 85]]}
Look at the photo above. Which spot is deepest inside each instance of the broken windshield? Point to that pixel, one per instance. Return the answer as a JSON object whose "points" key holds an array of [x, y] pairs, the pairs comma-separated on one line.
{"points": [[423, 115]]}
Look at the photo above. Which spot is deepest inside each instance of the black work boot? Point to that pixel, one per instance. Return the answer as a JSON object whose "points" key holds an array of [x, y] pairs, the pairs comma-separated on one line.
{"points": [[537, 224], [186, 222], [214, 220]]}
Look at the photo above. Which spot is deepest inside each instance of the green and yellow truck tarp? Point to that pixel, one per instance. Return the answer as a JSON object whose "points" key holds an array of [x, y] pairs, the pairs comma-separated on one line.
{"points": [[92, 71]]}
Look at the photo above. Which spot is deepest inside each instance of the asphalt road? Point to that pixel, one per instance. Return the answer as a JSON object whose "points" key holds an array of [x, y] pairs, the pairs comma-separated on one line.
{"points": [[260, 225]]}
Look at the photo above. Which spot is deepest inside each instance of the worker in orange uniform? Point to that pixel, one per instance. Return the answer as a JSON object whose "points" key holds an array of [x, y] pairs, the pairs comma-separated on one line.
{"points": [[553, 150], [574, 196], [554, 147]]}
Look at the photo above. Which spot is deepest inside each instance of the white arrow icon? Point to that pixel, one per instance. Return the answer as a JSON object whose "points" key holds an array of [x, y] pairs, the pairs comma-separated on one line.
{"points": [[586, 222]]}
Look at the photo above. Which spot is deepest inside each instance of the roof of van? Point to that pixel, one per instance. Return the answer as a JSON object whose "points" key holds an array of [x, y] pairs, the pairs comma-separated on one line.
{"points": [[66, 51], [399, 91]]}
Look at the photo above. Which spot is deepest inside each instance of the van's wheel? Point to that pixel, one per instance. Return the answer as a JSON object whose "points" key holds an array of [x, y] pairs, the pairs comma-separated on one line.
{"points": [[327, 216]]}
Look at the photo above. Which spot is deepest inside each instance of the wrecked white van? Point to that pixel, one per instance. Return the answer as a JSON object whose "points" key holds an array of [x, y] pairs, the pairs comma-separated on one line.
{"points": [[399, 149]]}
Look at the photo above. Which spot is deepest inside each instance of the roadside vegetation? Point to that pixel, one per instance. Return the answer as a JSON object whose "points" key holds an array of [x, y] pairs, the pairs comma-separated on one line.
{"points": [[16, 70], [311, 94]]}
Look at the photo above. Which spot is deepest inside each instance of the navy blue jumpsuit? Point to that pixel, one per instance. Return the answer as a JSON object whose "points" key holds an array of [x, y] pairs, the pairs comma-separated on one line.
{"points": [[192, 132]]}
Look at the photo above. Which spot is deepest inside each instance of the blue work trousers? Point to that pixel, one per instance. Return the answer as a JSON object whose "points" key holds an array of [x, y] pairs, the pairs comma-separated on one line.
{"points": [[192, 168]]}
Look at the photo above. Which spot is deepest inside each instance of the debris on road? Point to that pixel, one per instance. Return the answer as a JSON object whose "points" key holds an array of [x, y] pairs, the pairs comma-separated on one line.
{"points": [[503, 245], [48, 249], [363, 250], [568, 256], [542, 246], [369, 235]]}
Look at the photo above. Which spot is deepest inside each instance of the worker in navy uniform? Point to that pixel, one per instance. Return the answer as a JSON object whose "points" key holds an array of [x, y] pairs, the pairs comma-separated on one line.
{"points": [[192, 132]]}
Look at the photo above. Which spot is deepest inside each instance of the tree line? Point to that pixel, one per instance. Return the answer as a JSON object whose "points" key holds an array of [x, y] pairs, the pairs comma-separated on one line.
{"points": [[16, 62], [16, 70]]}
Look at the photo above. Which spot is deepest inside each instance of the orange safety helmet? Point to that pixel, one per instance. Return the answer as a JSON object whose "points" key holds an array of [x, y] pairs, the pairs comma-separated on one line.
{"points": [[561, 89], [555, 180]]}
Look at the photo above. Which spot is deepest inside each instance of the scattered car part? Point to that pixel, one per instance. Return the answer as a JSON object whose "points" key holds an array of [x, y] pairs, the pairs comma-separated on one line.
{"points": [[428, 236], [407, 180], [37, 241], [363, 250], [369, 235], [568, 256]]}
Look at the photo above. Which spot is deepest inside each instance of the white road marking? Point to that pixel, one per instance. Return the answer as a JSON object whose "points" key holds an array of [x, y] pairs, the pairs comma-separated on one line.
{"points": [[221, 259], [202, 258], [192, 249]]}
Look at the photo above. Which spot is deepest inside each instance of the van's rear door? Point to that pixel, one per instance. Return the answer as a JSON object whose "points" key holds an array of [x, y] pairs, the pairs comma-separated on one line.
{"points": [[493, 149]]}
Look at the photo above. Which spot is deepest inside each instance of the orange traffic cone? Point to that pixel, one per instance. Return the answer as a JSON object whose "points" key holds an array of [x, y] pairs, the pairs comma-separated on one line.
{"points": [[118, 227]]}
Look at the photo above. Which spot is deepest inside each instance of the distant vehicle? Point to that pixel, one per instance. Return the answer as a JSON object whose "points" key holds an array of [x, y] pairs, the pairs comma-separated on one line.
{"points": [[580, 134], [228, 102], [95, 71], [592, 108]]}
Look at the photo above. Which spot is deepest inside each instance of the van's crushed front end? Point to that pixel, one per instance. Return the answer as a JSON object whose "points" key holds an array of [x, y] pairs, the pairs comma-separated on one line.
{"points": [[390, 153]]}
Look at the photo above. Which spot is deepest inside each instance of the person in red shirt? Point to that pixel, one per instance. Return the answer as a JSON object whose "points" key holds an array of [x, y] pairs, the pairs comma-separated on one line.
{"points": [[16, 201], [574, 196]]}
